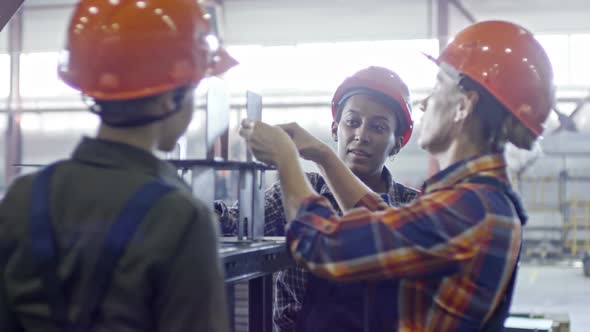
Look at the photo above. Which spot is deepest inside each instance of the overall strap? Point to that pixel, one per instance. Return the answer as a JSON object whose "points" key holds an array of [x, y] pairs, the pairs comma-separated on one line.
{"points": [[115, 243], [44, 247], [45, 252]]}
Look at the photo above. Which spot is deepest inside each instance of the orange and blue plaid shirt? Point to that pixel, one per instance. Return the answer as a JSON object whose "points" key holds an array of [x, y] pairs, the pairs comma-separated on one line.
{"points": [[453, 250], [290, 285]]}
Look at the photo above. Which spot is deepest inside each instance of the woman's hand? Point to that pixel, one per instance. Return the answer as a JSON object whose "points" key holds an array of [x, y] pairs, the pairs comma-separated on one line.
{"points": [[272, 145], [309, 146], [268, 143]]}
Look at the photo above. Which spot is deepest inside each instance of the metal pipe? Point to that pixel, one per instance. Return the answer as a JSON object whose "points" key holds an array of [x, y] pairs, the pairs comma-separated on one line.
{"points": [[542, 192], [587, 223], [442, 24], [429, 10], [574, 225], [459, 5], [56, 6], [14, 106]]}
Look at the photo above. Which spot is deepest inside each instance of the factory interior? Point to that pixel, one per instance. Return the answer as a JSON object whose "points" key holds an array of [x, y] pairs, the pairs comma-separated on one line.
{"points": [[291, 58]]}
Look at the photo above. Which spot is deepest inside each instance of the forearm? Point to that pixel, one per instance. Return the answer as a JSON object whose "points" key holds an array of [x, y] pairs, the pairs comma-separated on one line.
{"points": [[345, 186], [294, 184]]}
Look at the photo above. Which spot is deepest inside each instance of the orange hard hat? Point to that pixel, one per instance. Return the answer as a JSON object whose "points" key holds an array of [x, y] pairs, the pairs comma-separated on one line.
{"points": [[510, 64], [127, 49], [383, 82]]}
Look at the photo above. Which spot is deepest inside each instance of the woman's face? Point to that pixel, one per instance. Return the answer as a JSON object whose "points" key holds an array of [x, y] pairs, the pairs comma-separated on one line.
{"points": [[366, 135], [438, 125]]}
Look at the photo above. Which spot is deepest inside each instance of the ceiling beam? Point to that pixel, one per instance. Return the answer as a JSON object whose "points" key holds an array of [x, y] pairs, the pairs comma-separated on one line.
{"points": [[461, 8]]}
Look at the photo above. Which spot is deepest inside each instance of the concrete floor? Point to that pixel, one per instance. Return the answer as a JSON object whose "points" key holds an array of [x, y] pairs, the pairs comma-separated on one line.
{"points": [[554, 288]]}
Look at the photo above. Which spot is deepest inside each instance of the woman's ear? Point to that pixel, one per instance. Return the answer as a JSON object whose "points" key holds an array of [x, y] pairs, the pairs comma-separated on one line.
{"points": [[397, 147], [466, 105]]}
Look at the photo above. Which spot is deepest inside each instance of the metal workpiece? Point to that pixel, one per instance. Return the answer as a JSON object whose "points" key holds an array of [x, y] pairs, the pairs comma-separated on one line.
{"points": [[253, 262], [245, 260], [249, 256], [253, 112], [250, 195], [246, 200], [201, 173], [189, 164]]}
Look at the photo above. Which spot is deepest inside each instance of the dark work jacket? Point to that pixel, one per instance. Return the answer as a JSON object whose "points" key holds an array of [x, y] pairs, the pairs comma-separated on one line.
{"points": [[169, 277]]}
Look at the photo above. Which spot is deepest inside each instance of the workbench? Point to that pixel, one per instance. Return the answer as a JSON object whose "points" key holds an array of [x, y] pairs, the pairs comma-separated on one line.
{"points": [[254, 262]]}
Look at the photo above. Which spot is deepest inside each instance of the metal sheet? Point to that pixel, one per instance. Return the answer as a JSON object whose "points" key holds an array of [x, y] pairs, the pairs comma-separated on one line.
{"points": [[14, 136], [246, 260], [245, 198], [256, 231], [256, 227], [253, 112]]}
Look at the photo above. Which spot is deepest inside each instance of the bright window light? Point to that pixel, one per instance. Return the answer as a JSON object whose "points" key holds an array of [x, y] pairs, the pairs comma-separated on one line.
{"points": [[316, 68], [4, 75], [557, 48], [60, 122], [39, 76], [580, 60], [322, 66]]}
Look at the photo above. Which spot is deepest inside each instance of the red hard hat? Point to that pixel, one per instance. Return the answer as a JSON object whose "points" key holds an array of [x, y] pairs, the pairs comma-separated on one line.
{"points": [[123, 49], [509, 63], [385, 82]]}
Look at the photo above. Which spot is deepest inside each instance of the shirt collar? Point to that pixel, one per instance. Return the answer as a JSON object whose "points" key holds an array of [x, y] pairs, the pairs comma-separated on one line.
{"points": [[109, 154], [490, 164], [385, 175]]}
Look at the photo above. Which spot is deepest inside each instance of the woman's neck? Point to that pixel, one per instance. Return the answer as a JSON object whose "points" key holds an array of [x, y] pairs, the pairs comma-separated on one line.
{"points": [[375, 181], [460, 149]]}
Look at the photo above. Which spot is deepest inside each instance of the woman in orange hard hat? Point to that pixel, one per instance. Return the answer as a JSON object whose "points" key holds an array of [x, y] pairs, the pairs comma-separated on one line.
{"points": [[455, 248], [111, 239], [371, 122]]}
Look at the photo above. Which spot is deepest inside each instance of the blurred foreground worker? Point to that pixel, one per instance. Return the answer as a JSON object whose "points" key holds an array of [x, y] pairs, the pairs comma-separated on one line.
{"points": [[372, 122], [456, 247], [112, 239]]}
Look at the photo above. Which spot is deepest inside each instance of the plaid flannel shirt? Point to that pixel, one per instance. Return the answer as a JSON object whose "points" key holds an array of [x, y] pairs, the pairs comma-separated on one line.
{"points": [[453, 249], [290, 285]]}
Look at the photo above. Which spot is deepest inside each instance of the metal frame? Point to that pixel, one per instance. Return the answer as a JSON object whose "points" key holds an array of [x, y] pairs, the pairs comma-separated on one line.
{"points": [[566, 122], [254, 263], [14, 105], [461, 8], [248, 257]]}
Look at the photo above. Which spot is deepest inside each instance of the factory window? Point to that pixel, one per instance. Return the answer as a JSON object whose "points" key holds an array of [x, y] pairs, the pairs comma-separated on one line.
{"points": [[39, 76], [580, 64], [5, 75], [315, 69], [50, 136], [320, 67], [558, 50]]}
